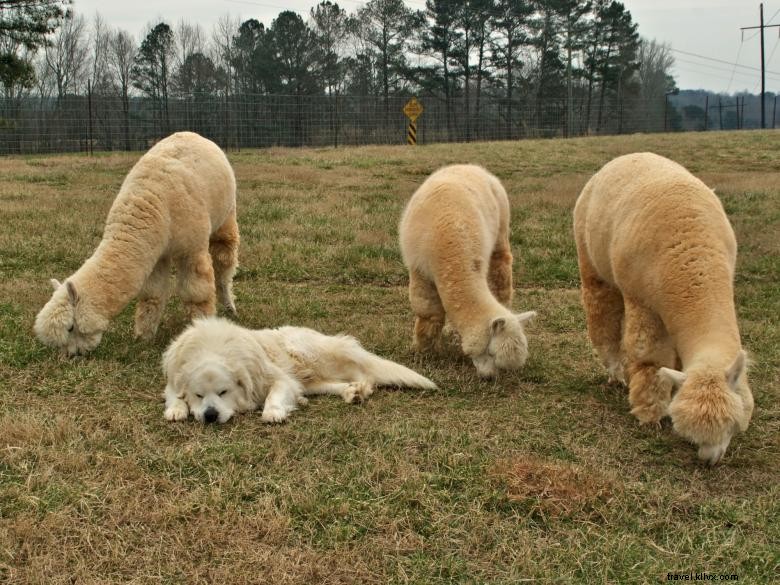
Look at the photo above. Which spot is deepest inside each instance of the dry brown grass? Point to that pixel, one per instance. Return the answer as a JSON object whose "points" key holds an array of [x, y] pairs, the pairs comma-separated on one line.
{"points": [[541, 475], [555, 489]]}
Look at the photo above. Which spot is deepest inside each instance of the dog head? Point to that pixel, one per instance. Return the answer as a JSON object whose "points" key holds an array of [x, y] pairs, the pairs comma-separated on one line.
{"points": [[507, 346], [67, 321], [213, 392]]}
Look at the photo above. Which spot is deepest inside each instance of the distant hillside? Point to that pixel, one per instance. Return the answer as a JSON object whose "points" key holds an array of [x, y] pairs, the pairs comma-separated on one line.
{"points": [[687, 110]]}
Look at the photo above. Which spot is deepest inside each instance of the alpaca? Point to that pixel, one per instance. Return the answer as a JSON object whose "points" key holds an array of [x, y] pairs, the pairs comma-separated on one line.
{"points": [[177, 206], [454, 236], [656, 256]]}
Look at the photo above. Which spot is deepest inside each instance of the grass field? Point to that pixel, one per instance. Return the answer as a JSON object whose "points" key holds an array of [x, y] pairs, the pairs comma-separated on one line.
{"points": [[541, 476]]}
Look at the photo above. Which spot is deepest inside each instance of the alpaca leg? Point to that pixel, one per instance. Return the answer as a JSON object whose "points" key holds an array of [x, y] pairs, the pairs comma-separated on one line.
{"points": [[500, 274], [647, 347], [428, 311], [223, 248], [603, 306], [196, 285], [152, 299]]}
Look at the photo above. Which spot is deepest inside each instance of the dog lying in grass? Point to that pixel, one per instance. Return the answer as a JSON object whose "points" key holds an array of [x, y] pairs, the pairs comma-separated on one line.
{"points": [[216, 369]]}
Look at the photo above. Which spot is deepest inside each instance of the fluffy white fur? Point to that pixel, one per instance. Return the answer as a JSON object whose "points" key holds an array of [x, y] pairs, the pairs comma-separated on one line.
{"points": [[454, 236], [216, 369], [657, 255], [177, 206]]}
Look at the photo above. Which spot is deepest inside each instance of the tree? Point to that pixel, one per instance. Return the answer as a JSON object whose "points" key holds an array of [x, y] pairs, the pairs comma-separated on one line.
{"points": [[151, 69], [571, 19], [121, 57], [100, 73], [188, 40], [65, 57], [253, 59], [440, 40], [386, 26], [27, 22], [510, 23], [331, 27], [612, 52], [295, 57], [472, 20]]}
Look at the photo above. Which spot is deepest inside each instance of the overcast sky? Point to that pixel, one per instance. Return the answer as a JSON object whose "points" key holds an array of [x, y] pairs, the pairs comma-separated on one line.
{"points": [[706, 28]]}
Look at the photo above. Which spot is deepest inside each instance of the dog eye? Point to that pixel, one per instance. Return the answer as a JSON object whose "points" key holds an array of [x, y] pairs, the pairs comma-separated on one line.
{"points": [[70, 329], [199, 395], [223, 393]]}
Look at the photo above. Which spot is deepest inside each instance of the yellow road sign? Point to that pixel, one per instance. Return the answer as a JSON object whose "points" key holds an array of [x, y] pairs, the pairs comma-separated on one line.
{"points": [[413, 109]]}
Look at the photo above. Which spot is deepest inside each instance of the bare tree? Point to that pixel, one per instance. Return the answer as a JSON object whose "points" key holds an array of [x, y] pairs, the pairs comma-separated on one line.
{"points": [[100, 39], [188, 40], [121, 56], [222, 48], [655, 65], [65, 57]]}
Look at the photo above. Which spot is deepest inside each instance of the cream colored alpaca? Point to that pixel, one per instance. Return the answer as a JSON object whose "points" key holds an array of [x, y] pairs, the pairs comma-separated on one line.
{"points": [[454, 238], [177, 206], [656, 254]]}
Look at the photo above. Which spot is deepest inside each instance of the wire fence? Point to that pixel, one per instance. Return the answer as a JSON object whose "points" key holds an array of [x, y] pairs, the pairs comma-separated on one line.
{"points": [[86, 123]]}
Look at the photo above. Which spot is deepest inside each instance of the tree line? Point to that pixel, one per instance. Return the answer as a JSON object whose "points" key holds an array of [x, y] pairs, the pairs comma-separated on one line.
{"points": [[461, 54]]}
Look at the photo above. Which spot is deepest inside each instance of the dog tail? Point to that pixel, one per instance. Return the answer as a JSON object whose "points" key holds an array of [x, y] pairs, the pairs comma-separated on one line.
{"points": [[388, 373]]}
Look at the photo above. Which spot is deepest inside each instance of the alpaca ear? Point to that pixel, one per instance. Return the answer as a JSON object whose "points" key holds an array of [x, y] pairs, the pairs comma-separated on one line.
{"points": [[736, 369], [72, 294], [526, 316], [55, 284], [497, 325], [676, 377]]}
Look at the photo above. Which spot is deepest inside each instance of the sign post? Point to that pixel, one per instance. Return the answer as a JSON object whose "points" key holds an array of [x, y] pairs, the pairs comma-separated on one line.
{"points": [[412, 109]]}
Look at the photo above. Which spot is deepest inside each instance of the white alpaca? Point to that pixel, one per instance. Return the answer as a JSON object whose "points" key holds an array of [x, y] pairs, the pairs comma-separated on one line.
{"points": [[656, 255], [454, 236], [216, 368], [177, 206]]}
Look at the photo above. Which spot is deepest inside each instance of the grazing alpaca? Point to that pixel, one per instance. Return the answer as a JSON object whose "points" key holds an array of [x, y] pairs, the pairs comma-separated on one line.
{"points": [[177, 206], [656, 255], [454, 237]]}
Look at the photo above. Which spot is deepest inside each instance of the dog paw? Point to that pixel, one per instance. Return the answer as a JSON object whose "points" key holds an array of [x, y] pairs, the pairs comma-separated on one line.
{"points": [[177, 412], [274, 415], [357, 392]]}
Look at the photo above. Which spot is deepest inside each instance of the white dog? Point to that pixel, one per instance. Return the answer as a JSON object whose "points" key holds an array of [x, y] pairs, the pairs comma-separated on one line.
{"points": [[216, 368]]}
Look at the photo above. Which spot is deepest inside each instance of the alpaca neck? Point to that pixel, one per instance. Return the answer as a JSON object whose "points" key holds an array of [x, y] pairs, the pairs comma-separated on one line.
{"points": [[713, 344], [471, 307], [113, 276]]}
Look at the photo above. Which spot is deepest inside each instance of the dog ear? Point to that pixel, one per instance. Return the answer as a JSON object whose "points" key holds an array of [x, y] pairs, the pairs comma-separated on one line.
{"points": [[243, 381], [72, 294], [55, 284]]}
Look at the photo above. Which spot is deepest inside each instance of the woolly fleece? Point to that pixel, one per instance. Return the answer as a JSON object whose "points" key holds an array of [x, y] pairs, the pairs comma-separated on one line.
{"points": [[454, 236], [177, 206], [657, 255]]}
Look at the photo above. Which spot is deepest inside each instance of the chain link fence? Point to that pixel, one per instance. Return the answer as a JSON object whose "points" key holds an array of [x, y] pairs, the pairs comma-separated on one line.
{"points": [[86, 123]]}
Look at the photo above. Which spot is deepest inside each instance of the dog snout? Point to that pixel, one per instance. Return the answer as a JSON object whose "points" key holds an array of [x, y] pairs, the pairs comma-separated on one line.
{"points": [[210, 415]]}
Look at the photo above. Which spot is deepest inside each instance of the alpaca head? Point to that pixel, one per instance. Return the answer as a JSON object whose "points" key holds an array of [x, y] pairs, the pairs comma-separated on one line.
{"points": [[506, 348], [69, 322], [709, 407]]}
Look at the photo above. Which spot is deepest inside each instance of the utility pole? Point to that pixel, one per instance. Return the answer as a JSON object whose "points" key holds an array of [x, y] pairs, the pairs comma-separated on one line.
{"points": [[761, 26]]}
